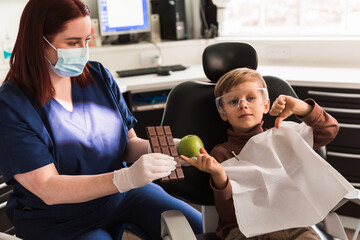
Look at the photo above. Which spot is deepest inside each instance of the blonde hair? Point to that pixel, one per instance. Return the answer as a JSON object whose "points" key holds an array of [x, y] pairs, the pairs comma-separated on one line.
{"points": [[235, 77]]}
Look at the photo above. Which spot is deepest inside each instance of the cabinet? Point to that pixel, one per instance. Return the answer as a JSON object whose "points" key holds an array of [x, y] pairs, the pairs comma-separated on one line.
{"points": [[147, 108], [343, 153]]}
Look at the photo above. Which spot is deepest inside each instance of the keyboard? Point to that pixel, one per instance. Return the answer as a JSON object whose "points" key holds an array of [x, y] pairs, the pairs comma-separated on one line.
{"points": [[150, 70]]}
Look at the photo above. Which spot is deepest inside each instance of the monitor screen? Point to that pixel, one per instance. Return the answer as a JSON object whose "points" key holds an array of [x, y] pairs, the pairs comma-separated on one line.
{"points": [[123, 16]]}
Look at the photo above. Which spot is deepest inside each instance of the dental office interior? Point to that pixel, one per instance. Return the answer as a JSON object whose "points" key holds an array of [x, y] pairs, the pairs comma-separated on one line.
{"points": [[313, 45]]}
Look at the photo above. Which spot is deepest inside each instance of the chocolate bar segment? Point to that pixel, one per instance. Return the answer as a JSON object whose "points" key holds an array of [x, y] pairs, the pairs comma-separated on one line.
{"points": [[162, 141]]}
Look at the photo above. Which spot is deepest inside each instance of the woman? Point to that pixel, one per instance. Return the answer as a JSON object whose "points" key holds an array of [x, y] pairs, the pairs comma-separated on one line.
{"points": [[65, 131]]}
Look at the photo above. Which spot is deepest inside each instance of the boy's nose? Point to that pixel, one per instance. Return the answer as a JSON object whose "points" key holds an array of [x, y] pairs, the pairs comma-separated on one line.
{"points": [[242, 104]]}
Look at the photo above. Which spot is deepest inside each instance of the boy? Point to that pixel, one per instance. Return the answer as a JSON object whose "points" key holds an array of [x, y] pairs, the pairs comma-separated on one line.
{"points": [[242, 99]]}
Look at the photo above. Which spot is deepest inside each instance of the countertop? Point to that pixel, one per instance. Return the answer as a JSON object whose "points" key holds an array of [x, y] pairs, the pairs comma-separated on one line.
{"points": [[295, 75]]}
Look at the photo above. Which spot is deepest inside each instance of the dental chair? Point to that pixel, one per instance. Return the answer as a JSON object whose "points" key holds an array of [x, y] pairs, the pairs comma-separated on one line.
{"points": [[190, 109]]}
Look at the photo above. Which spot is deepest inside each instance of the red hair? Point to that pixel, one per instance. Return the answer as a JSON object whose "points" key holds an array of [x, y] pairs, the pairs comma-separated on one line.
{"points": [[28, 67]]}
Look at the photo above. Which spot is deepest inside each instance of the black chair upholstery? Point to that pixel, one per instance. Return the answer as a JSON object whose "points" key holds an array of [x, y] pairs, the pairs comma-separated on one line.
{"points": [[221, 58]]}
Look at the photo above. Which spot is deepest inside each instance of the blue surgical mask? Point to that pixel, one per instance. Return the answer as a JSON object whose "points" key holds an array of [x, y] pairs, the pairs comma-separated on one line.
{"points": [[71, 62]]}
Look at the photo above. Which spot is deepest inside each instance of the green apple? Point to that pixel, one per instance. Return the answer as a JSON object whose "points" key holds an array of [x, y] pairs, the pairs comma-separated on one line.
{"points": [[190, 145]]}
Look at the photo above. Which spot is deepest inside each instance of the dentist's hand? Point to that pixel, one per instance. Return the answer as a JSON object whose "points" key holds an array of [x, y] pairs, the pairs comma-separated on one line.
{"points": [[146, 169]]}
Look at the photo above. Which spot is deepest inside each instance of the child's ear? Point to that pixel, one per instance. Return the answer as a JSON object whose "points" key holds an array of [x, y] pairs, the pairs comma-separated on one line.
{"points": [[223, 116], [267, 107]]}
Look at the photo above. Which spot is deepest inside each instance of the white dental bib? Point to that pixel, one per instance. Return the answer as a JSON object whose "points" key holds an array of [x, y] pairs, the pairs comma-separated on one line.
{"points": [[280, 182]]}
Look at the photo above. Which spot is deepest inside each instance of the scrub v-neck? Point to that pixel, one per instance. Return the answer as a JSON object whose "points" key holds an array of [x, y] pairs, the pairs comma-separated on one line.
{"points": [[77, 116]]}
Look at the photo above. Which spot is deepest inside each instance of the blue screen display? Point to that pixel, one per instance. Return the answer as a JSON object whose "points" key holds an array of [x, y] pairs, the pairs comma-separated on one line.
{"points": [[123, 16]]}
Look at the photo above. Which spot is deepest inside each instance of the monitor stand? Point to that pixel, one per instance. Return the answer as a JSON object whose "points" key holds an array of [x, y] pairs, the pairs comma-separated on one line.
{"points": [[132, 38], [122, 39]]}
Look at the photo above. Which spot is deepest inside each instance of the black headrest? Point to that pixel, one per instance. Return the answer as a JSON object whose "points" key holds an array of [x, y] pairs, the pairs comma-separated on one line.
{"points": [[221, 58]]}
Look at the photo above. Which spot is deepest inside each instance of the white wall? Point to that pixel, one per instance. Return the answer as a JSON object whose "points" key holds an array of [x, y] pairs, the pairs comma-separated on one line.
{"points": [[10, 13], [321, 52]]}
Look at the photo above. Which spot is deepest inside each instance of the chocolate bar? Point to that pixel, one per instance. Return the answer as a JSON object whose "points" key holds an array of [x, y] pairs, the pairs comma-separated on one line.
{"points": [[162, 141]]}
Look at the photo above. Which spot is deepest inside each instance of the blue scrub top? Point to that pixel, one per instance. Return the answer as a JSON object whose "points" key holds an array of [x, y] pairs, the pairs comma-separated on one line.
{"points": [[90, 140]]}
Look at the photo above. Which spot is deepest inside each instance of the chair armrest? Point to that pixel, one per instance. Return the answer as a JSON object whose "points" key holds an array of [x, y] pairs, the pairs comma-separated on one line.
{"points": [[174, 226], [4, 236], [333, 226]]}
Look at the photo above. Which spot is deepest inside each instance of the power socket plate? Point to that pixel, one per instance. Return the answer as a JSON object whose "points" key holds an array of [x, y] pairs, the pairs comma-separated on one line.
{"points": [[281, 53], [149, 58]]}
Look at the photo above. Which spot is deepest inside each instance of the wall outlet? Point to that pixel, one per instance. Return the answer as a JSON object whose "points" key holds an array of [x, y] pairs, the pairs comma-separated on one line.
{"points": [[278, 53], [149, 58]]}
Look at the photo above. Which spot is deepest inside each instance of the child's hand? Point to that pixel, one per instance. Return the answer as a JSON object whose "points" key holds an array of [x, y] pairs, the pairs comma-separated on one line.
{"points": [[204, 162], [207, 163], [285, 106]]}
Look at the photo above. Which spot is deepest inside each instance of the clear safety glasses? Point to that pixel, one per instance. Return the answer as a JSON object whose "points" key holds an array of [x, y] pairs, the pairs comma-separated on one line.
{"points": [[252, 97]]}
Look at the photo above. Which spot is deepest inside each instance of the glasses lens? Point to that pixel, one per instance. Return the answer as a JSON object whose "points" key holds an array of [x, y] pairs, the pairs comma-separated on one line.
{"points": [[252, 97]]}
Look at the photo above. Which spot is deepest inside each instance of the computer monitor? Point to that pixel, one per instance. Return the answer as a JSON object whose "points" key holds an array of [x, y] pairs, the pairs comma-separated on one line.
{"points": [[119, 17]]}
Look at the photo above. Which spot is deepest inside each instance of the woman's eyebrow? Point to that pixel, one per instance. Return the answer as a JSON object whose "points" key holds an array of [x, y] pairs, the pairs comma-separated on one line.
{"points": [[76, 38], [73, 38]]}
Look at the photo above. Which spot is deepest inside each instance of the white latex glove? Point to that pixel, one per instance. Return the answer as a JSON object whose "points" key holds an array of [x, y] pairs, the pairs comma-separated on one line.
{"points": [[146, 169]]}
